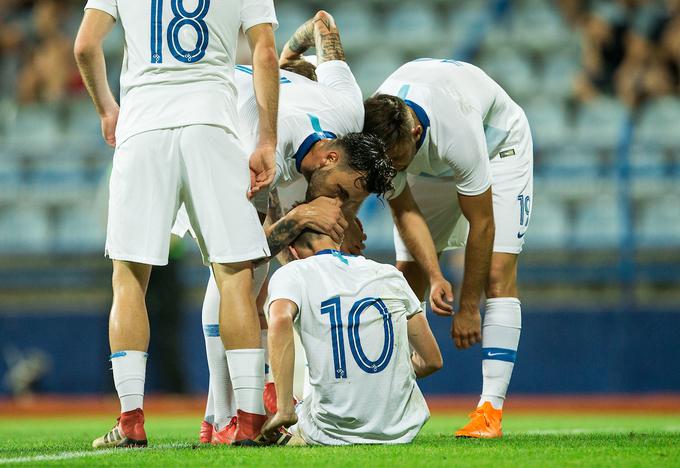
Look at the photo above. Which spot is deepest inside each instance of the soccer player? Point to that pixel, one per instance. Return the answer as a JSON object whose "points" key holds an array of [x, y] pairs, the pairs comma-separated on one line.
{"points": [[176, 141], [465, 154], [358, 321], [319, 143]]}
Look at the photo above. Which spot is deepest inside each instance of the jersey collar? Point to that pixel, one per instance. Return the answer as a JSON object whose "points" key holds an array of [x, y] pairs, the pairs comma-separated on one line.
{"points": [[336, 253], [424, 120], [307, 145]]}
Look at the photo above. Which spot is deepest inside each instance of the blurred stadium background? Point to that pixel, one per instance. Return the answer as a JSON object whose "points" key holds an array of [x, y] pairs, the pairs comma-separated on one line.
{"points": [[600, 275]]}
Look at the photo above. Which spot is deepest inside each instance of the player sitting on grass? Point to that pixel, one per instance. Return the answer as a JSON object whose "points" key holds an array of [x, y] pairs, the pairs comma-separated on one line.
{"points": [[359, 322]]}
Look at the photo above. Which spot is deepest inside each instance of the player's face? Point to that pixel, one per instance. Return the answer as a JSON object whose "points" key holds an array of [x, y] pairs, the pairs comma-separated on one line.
{"points": [[334, 182]]}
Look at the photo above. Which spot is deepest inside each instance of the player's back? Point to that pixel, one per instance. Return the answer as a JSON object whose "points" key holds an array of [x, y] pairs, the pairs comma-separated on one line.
{"points": [[353, 326], [179, 60], [470, 87]]}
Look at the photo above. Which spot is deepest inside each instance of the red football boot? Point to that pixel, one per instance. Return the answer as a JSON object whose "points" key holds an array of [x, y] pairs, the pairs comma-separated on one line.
{"points": [[206, 432], [269, 397], [128, 432], [226, 435]]}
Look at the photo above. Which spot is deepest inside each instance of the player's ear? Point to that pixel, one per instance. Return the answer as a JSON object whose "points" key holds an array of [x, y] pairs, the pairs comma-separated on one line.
{"points": [[332, 157], [293, 252], [417, 132]]}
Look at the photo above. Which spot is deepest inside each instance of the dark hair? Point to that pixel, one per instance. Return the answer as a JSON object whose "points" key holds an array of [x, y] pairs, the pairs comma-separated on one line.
{"points": [[301, 67], [387, 117], [367, 155]]}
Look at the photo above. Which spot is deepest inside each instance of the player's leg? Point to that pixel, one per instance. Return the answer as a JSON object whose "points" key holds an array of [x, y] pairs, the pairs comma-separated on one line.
{"points": [[502, 323], [145, 170], [216, 178]]}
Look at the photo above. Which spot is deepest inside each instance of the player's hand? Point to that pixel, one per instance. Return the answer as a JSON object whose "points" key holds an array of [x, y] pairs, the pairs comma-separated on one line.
{"points": [[271, 426], [109, 123], [262, 168], [441, 296], [355, 236], [324, 214], [466, 328]]}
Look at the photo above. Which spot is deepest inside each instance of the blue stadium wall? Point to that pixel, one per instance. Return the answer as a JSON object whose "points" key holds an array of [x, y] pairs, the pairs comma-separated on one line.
{"points": [[560, 352]]}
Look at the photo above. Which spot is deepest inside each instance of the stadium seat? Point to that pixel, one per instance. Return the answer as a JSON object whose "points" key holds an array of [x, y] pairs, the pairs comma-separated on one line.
{"points": [[465, 21], [601, 122], [548, 121], [356, 23], [10, 177], [377, 220], [599, 223], [658, 123], [412, 24], [24, 228], [79, 229], [647, 160], [549, 224], [658, 224], [570, 160], [558, 75], [512, 71], [291, 15], [374, 67], [35, 130], [537, 26]]}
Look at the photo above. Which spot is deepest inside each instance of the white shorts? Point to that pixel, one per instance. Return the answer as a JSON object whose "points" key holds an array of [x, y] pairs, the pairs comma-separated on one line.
{"points": [[512, 187], [203, 167]]}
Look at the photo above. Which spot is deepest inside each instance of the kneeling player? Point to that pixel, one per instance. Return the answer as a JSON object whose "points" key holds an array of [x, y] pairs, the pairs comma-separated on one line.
{"points": [[358, 321]]}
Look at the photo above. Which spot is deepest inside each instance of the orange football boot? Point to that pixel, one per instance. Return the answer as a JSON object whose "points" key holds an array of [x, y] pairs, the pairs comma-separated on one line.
{"points": [[205, 434], [485, 423]]}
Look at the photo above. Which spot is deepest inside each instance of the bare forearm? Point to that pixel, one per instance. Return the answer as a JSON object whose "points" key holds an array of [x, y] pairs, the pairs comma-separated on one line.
{"points": [[418, 240], [282, 346], [266, 83], [477, 264], [300, 42], [327, 40], [92, 66]]}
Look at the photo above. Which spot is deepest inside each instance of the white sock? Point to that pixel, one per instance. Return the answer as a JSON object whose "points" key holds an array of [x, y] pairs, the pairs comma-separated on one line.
{"points": [[220, 384], [129, 373], [268, 377], [500, 338], [209, 406], [246, 367]]}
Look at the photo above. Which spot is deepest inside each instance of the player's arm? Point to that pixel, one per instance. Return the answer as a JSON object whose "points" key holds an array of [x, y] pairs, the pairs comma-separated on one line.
{"points": [[426, 357], [416, 236], [266, 84], [282, 313], [478, 210], [322, 214], [89, 55], [320, 32]]}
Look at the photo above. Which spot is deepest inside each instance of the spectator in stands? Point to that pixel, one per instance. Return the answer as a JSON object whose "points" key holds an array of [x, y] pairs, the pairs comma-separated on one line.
{"points": [[49, 71]]}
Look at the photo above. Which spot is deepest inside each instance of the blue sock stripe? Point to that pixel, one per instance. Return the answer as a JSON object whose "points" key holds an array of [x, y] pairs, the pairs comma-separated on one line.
{"points": [[118, 354], [499, 354], [211, 330]]}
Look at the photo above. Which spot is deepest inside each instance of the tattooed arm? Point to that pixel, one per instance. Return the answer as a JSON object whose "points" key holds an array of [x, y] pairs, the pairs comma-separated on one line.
{"points": [[320, 32], [322, 214]]}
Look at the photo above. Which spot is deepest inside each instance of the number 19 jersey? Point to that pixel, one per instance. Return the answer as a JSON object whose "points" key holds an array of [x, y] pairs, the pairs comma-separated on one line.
{"points": [[178, 66], [352, 322]]}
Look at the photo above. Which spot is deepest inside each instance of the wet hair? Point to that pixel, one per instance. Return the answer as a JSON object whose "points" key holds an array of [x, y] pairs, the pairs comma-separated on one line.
{"points": [[367, 155], [387, 117], [301, 67]]}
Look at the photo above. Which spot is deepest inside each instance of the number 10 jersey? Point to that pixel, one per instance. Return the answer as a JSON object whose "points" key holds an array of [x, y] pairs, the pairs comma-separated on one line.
{"points": [[178, 66], [352, 322]]}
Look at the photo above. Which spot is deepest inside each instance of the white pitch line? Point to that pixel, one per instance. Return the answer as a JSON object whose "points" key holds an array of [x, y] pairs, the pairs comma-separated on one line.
{"points": [[86, 454], [598, 430]]}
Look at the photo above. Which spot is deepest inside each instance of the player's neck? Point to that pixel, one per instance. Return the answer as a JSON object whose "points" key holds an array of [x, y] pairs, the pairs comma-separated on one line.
{"points": [[324, 244]]}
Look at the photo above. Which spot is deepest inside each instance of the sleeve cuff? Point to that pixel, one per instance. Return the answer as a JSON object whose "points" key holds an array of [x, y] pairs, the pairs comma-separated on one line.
{"points": [[473, 193], [249, 24], [111, 10]]}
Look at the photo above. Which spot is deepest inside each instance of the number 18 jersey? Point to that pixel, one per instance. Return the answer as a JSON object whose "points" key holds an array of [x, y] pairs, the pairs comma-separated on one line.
{"points": [[352, 322], [178, 66]]}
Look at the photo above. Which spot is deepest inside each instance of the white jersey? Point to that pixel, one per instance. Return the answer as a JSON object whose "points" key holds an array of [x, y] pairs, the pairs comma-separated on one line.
{"points": [[308, 112], [352, 322], [467, 117], [178, 67]]}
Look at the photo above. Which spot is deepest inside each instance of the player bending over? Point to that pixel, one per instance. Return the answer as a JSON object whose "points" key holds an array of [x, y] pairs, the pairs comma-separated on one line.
{"points": [[177, 142], [457, 136], [359, 322], [319, 144]]}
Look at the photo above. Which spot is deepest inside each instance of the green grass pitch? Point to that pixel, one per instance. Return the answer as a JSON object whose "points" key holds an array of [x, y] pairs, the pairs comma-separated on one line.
{"points": [[530, 440]]}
